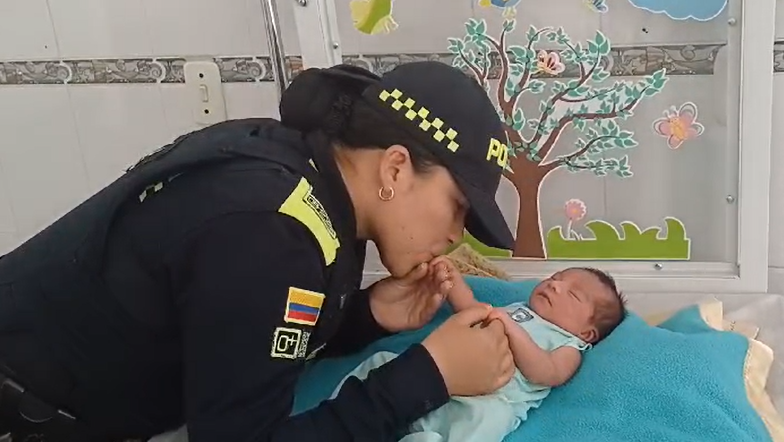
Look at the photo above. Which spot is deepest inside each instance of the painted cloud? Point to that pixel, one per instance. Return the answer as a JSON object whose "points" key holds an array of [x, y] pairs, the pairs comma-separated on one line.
{"points": [[701, 10]]}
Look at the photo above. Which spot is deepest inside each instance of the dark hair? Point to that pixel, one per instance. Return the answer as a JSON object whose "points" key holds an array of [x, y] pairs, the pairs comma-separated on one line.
{"points": [[332, 104], [609, 313]]}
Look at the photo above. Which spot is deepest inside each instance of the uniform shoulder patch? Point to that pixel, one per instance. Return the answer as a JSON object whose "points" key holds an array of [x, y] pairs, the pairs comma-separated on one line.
{"points": [[303, 306], [303, 206]]}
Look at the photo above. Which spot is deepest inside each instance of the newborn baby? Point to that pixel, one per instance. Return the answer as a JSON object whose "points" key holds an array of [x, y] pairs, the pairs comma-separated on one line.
{"points": [[565, 315]]}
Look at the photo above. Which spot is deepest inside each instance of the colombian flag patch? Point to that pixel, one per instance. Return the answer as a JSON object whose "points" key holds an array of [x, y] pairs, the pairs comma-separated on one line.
{"points": [[303, 306]]}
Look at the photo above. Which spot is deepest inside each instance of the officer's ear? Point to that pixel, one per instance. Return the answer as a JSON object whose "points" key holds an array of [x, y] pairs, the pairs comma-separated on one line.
{"points": [[396, 168]]}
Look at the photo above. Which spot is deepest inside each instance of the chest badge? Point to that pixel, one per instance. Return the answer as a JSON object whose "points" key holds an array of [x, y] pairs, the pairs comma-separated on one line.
{"points": [[521, 315]]}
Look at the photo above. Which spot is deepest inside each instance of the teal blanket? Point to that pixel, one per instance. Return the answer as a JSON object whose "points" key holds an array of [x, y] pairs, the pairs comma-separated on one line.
{"points": [[679, 382]]}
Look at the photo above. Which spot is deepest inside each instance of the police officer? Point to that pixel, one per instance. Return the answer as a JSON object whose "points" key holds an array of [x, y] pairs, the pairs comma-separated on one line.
{"points": [[194, 288]]}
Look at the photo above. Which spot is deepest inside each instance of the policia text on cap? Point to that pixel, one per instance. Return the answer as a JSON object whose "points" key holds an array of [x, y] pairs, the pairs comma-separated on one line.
{"points": [[194, 288]]}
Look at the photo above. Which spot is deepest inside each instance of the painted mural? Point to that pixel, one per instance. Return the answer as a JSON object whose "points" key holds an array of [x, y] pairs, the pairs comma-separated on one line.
{"points": [[590, 105]]}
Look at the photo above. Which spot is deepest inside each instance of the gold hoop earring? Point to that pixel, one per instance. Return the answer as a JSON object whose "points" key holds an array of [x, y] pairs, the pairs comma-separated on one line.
{"points": [[386, 196]]}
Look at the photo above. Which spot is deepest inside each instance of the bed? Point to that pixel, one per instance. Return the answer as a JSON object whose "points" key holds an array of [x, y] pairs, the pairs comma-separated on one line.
{"points": [[754, 316]]}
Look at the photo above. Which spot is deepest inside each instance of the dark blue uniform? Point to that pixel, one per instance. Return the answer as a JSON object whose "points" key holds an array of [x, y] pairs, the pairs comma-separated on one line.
{"points": [[194, 289]]}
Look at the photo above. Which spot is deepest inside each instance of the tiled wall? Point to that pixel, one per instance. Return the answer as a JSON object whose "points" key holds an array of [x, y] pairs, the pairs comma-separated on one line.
{"points": [[88, 86]]}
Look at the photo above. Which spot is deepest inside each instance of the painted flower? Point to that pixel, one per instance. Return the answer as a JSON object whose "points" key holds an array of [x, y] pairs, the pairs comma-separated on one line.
{"points": [[679, 125], [575, 210], [550, 62]]}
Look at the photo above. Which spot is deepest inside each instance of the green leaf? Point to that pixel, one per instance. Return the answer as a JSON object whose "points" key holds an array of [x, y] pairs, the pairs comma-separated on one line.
{"points": [[533, 124], [518, 115], [470, 26], [602, 44], [519, 53], [625, 134], [658, 83], [536, 86], [613, 127], [531, 35], [515, 69], [456, 45], [579, 123], [593, 49], [557, 87], [650, 92], [629, 142], [600, 75], [509, 25], [481, 28]]}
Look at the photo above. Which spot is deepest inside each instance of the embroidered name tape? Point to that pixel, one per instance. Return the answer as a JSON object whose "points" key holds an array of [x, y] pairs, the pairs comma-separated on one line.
{"points": [[303, 306]]}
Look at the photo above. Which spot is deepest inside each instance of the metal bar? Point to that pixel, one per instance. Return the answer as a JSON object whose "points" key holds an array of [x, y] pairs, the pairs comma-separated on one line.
{"points": [[275, 42]]}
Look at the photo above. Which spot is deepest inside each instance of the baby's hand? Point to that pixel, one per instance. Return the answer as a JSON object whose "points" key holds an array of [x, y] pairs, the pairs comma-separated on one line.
{"points": [[451, 282], [501, 315]]}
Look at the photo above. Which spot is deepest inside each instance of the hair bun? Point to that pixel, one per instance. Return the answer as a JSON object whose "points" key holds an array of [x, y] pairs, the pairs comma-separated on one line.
{"points": [[321, 99], [307, 100]]}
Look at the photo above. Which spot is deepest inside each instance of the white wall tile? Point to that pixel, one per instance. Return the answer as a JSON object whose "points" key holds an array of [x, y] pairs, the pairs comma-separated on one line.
{"points": [[249, 100], [179, 118], [243, 100], [40, 156], [100, 28], [26, 30], [117, 126], [205, 27]]}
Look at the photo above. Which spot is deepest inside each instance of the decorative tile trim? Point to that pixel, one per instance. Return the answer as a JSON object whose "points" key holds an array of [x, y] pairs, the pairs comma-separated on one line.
{"points": [[622, 61]]}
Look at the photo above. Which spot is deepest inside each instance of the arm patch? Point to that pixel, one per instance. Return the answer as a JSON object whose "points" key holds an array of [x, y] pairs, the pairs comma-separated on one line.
{"points": [[303, 206]]}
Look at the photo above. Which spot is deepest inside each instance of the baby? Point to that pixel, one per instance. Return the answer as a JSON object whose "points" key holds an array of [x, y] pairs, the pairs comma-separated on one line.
{"points": [[565, 315]]}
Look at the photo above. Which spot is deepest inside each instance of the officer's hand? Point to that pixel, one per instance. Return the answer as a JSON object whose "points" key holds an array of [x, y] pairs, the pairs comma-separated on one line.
{"points": [[473, 355], [409, 303]]}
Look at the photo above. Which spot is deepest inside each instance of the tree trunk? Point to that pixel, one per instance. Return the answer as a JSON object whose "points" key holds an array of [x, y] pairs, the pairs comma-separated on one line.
{"points": [[528, 239], [527, 178]]}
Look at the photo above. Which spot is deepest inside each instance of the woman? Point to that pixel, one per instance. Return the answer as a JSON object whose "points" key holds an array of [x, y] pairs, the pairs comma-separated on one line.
{"points": [[193, 289]]}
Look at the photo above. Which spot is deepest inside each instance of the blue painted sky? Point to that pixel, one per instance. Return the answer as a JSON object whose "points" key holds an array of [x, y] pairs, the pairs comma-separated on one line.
{"points": [[701, 10]]}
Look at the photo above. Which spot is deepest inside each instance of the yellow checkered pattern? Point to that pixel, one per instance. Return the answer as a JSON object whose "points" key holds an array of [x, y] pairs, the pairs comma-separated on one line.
{"points": [[415, 113]]}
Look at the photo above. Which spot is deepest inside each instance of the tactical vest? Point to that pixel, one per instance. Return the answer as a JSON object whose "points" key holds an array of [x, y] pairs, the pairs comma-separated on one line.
{"points": [[60, 266]]}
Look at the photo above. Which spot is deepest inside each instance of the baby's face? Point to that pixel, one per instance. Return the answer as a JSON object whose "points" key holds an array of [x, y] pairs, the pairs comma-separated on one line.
{"points": [[568, 299]]}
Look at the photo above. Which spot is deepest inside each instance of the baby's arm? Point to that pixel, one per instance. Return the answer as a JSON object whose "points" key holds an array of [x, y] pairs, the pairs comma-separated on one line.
{"points": [[460, 295], [538, 366]]}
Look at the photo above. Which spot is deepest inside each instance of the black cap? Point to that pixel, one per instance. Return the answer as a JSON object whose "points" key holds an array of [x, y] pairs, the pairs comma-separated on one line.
{"points": [[453, 118]]}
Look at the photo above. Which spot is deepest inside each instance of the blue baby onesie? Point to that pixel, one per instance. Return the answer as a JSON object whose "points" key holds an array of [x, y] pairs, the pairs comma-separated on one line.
{"points": [[487, 418]]}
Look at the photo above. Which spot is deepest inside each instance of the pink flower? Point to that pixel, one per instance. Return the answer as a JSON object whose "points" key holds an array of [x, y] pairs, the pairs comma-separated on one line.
{"points": [[575, 210]]}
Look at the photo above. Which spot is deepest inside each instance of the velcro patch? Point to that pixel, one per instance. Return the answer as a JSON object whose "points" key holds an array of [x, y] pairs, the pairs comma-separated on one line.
{"points": [[303, 306]]}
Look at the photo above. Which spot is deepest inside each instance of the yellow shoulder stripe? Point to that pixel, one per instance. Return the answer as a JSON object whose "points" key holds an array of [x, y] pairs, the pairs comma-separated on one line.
{"points": [[305, 208]]}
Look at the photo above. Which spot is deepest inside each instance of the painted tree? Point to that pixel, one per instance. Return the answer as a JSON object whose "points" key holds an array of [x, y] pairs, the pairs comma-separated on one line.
{"points": [[584, 103]]}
